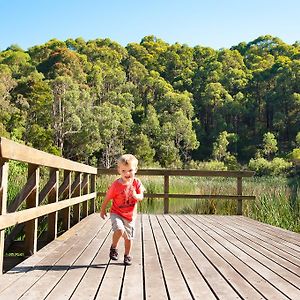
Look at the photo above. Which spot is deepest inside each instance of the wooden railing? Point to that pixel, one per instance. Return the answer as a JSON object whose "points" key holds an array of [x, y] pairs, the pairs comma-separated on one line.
{"points": [[66, 196], [66, 193], [199, 173]]}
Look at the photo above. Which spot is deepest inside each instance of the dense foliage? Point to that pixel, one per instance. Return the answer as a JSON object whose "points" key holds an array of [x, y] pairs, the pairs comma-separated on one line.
{"points": [[171, 105]]}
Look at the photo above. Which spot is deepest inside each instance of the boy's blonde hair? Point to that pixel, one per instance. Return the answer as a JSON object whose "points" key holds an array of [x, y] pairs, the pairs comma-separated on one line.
{"points": [[125, 159]]}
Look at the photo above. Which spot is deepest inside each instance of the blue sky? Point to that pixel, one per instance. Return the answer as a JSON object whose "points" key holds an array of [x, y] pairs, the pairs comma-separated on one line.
{"points": [[213, 23]]}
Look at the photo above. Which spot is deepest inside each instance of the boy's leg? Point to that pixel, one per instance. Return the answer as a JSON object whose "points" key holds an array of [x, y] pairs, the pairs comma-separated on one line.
{"points": [[118, 229], [128, 240], [128, 246], [116, 238]]}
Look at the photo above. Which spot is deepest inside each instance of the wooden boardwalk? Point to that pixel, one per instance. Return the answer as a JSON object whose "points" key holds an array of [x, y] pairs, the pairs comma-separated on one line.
{"points": [[175, 257]]}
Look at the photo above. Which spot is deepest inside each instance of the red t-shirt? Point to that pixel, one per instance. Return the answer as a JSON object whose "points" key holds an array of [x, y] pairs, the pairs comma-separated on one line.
{"points": [[123, 202]]}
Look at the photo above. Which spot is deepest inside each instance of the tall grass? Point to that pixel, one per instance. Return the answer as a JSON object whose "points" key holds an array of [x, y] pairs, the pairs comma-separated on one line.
{"points": [[277, 198]]}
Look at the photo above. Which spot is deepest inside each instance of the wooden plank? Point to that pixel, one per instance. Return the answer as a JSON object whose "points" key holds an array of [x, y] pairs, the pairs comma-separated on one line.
{"points": [[203, 256], [282, 279], [19, 279], [90, 283], [16, 151], [153, 273], [67, 285], [31, 213], [199, 288], [133, 283], [46, 283], [282, 233], [244, 232], [208, 262], [232, 266], [175, 282], [276, 239], [111, 283]]}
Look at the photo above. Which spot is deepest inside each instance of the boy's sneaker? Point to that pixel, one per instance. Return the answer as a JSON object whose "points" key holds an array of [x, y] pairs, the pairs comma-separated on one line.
{"points": [[113, 253], [127, 260]]}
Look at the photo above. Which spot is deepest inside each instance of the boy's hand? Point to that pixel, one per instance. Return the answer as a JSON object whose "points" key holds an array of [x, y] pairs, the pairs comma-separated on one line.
{"points": [[137, 197], [103, 214]]}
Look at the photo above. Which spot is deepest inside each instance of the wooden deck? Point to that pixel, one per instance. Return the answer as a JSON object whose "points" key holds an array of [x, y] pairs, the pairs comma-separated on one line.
{"points": [[175, 257]]}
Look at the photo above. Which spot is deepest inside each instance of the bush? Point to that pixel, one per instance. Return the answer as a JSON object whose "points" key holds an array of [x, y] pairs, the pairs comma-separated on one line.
{"points": [[261, 166]]}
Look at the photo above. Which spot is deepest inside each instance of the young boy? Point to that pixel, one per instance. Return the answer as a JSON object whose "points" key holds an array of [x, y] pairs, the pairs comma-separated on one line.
{"points": [[124, 192]]}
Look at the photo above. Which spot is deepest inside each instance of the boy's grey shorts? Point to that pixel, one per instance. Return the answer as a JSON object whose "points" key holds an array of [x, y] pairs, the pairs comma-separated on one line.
{"points": [[119, 223]]}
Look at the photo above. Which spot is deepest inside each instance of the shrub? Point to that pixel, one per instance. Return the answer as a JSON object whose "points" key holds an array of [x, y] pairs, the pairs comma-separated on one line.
{"points": [[261, 166]]}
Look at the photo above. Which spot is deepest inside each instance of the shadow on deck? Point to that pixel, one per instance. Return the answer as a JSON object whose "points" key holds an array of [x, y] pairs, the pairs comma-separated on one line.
{"points": [[175, 257]]}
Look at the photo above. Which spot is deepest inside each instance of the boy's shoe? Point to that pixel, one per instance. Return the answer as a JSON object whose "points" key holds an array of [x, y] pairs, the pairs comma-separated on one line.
{"points": [[127, 260], [113, 253]]}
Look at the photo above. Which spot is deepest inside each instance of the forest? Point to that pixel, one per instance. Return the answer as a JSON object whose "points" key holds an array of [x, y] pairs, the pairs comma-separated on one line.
{"points": [[171, 105]]}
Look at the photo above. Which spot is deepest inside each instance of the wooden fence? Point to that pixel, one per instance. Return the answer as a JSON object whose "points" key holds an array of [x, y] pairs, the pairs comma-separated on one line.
{"points": [[60, 200], [199, 173]]}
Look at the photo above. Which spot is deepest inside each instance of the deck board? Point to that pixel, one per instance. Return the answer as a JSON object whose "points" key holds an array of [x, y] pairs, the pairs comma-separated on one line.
{"points": [[175, 257]]}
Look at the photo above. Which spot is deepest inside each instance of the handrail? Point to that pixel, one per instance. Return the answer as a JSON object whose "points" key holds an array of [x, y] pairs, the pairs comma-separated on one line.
{"points": [[167, 173], [69, 200], [179, 172], [15, 151]]}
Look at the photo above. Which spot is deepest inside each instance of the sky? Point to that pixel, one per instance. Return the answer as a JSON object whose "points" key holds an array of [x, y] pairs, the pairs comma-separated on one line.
{"points": [[210, 23]]}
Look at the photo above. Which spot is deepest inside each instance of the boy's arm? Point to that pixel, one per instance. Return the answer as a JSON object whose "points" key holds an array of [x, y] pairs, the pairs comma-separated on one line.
{"points": [[140, 196], [103, 213]]}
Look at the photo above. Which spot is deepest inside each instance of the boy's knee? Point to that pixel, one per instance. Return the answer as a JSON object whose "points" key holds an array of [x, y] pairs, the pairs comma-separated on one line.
{"points": [[120, 232]]}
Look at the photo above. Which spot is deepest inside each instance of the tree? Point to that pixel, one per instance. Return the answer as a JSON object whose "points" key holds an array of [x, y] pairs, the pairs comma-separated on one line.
{"points": [[66, 109], [185, 139], [114, 125], [140, 146], [269, 145], [220, 147]]}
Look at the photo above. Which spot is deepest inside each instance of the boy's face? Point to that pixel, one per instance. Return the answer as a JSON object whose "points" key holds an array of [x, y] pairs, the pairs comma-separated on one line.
{"points": [[127, 171]]}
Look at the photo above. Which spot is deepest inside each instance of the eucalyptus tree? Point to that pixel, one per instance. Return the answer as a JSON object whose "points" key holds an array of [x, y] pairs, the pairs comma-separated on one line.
{"points": [[114, 126], [66, 109]]}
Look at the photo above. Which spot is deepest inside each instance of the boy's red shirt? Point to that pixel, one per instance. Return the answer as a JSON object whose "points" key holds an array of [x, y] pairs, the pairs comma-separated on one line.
{"points": [[123, 202]]}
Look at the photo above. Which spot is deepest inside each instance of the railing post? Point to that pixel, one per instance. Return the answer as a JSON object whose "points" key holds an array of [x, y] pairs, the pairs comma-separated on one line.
{"points": [[3, 204], [53, 197], [166, 194], [85, 190], [239, 193], [77, 192], [66, 222], [92, 190], [31, 227]]}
